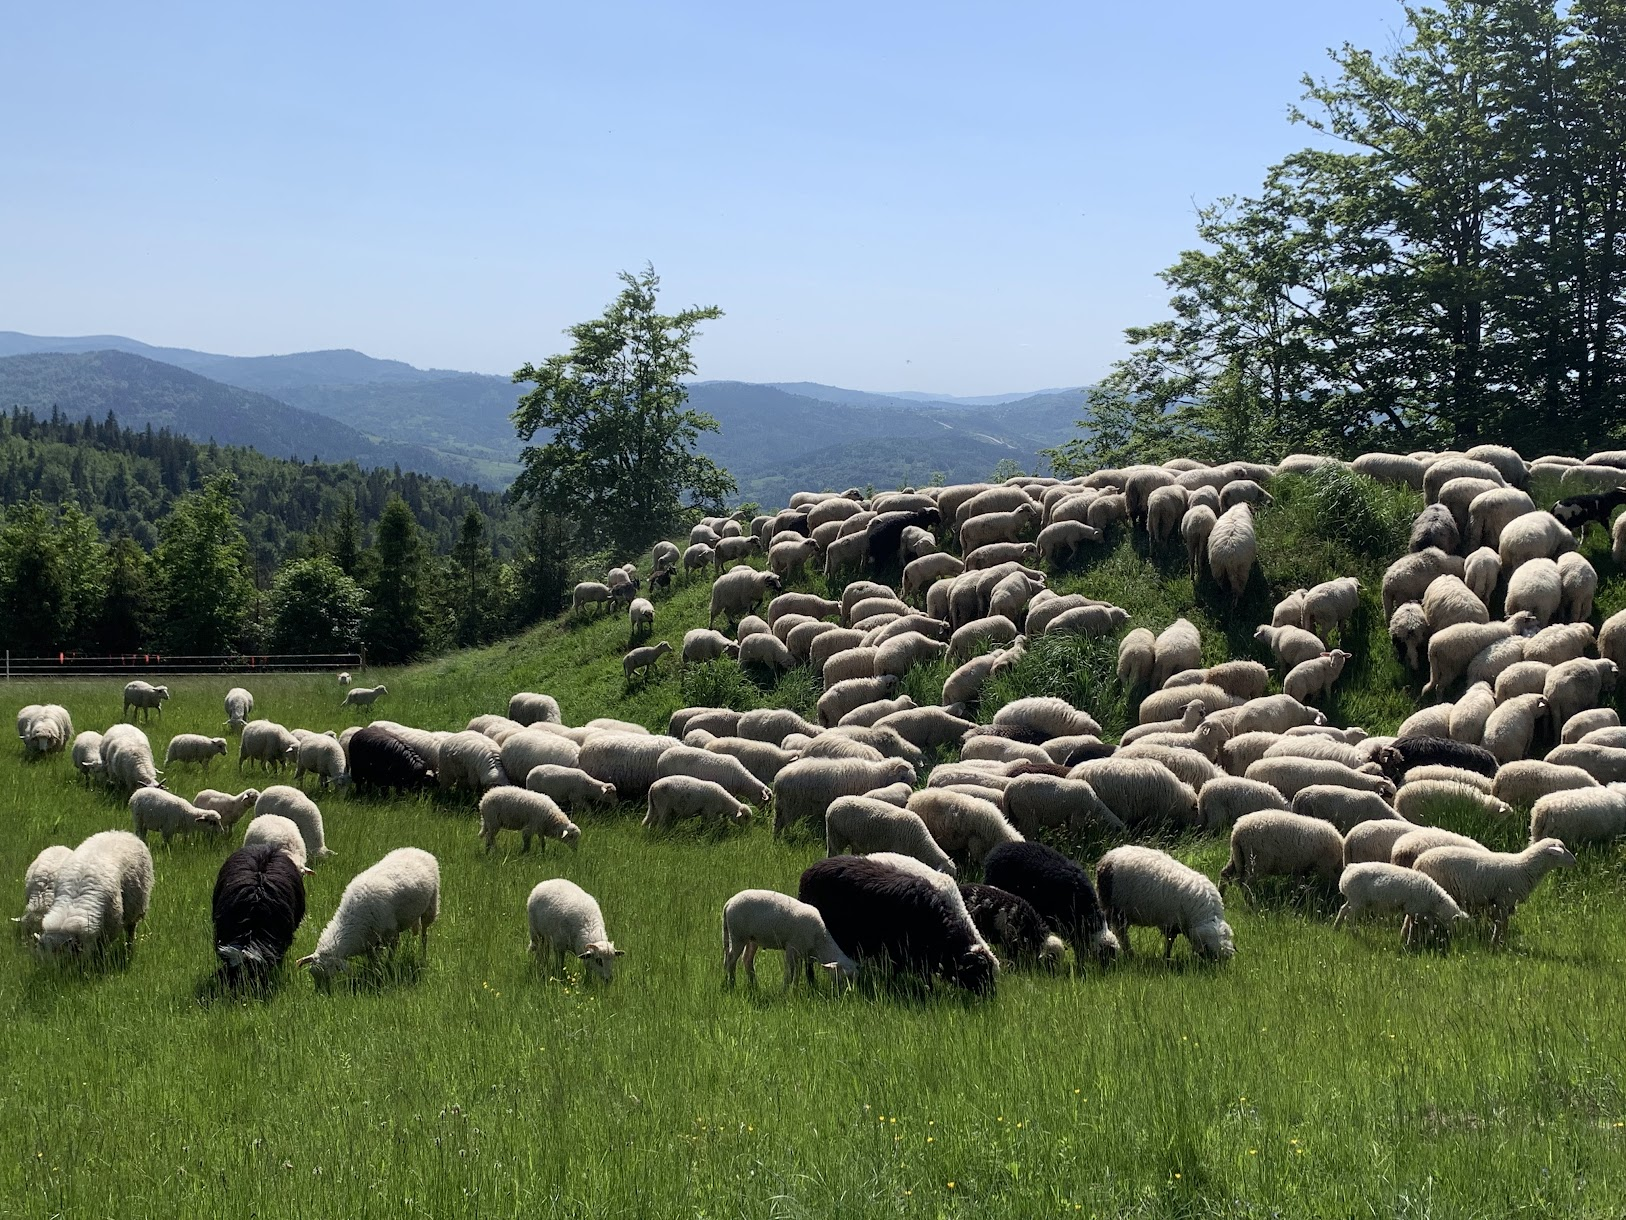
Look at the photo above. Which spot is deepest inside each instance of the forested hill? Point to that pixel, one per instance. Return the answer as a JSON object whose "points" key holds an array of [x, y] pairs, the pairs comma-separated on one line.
{"points": [[127, 480]]}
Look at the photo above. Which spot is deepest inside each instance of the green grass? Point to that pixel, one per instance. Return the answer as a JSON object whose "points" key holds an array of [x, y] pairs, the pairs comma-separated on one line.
{"points": [[1320, 1073]]}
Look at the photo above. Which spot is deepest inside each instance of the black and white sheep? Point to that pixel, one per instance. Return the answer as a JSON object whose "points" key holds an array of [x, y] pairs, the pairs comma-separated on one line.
{"points": [[1060, 890]]}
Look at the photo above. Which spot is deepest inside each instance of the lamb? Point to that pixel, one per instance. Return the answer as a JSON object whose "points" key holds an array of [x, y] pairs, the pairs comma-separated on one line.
{"points": [[1179, 646], [765, 919], [1450, 651], [1310, 680], [101, 889], [1431, 802], [1328, 604], [399, 894], [1579, 581], [533, 814], [1232, 547], [1385, 889], [702, 644], [1147, 888], [1373, 842], [1525, 782], [1510, 728], [1034, 802], [1573, 686], [717, 767], [739, 591], [1493, 882], [864, 824], [364, 696], [381, 761], [1221, 801], [127, 758], [281, 801], [1137, 658], [874, 910], [1141, 792], [1289, 775], [1271, 843], [1060, 890], [230, 808], [144, 696], [239, 703], [1292, 645], [1345, 808], [39, 888], [648, 657], [966, 827], [87, 754], [323, 757], [169, 814], [1436, 527], [640, 616], [1408, 577], [257, 906], [470, 760], [267, 743], [791, 556], [964, 685], [1449, 601]]}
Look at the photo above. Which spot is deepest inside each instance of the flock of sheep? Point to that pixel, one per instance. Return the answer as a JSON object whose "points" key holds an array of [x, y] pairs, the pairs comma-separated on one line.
{"points": [[1214, 749]]}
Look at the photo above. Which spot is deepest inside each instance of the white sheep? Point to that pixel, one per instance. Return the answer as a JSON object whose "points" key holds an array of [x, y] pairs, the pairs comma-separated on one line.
{"points": [[1466, 721], [853, 693], [1310, 680], [739, 591], [1579, 582], [1137, 658], [985, 528], [640, 615], [1430, 802], [1606, 764], [48, 729], [1232, 548], [398, 895], [1580, 725], [1386, 889], [344, 677], [528, 708], [1525, 782], [1511, 727], [866, 824], [1221, 801], [564, 918], [230, 808], [145, 697], [1561, 642], [1573, 686], [1451, 650], [1272, 843], [281, 801], [169, 814], [533, 814], [39, 888], [280, 833], [1328, 604], [1034, 802], [127, 758], [673, 798], [1178, 646], [267, 743], [702, 644], [966, 827], [1141, 792], [1345, 808], [1288, 775], [324, 757], [470, 760], [1145, 887], [718, 768], [87, 754], [1481, 572], [364, 696], [1414, 843], [964, 685], [1537, 535], [102, 889], [1493, 882], [239, 703], [1580, 817], [1371, 842], [1408, 578], [765, 919]]}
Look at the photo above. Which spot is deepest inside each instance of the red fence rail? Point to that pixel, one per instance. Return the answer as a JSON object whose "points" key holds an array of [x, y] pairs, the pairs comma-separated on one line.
{"points": [[74, 665]]}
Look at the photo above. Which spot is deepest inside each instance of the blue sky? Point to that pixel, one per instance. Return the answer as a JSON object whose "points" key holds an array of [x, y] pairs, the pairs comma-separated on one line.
{"points": [[957, 198]]}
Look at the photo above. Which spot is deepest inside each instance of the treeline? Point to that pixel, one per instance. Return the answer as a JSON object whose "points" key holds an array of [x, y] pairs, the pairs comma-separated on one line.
{"points": [[1447, 265], [397, 564], [128, 481]]}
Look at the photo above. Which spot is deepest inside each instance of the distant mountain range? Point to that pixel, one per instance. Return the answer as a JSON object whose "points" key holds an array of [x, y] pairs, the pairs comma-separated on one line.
{"points": [[338, 405]]}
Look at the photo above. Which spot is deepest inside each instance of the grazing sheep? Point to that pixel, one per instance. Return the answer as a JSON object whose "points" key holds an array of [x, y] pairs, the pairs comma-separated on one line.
{"points": [[739, 591], [647, 657], [1141, 792], [87, 754], [1012, 924], [1221, 801], [630, 761], [966, 827], [1272, 714], [400, 894], [1580, 817], [1147, 888], [1408, 578], [1137, 658], [533, 814], [1272, 843], [1493, 882], [363, 696], [765, 919], [144, 696], [1179, 646], [1432, 802], [1436, 527], [1450, 650], [964, 685], [529, 748], [1034, 802], [1164, 509], [1449, 601], [1328, 604], [1292, 645], [1606, 764], [324, 757], [239, 703], [1523, 783], [1373, 842], [1395, 468], [267, 743], [1409, 631], [640, 616], [1172, 701], [39, 888], [1311, 680], [1573, 686], [1469, 714], [1455, 774], [1046, 715], [1432, 721], [470, 760], [1481, 572], [875, 910], [864, 825], [194, 748], [1385, 889], [1318, 745], [1441, 472], [257, 906], [1511, 727], [702, 644], [1581, 725], [230, 808], [804, 789], [853, 693], [564, 918], [1537, 587], [1232, 548], [1345, 808], [280, 800], [1060, 890], [101, 889], [926, 728], [127, 758], [1559, 643], [380, 761], [1537, 535], [1288, 775], [1399, 757]]}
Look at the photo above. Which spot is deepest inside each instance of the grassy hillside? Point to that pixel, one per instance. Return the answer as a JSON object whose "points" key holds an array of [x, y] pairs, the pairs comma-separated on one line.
{"points": [[1320, 1073]]}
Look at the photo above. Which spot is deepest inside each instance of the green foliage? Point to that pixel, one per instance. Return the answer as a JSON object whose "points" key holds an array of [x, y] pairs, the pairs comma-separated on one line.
{"points": [[1447, 272], [620, 461], [129, 607], [397, 623], [1332, 520], [52, 576], [202, 566], [315, 608]]}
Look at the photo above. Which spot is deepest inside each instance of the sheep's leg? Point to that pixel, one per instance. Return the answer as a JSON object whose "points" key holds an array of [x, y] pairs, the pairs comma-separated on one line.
{"points": [[1408, 931], [731, 955], [793, 963], [751, 962], [1339, 918], [1168, 942]]}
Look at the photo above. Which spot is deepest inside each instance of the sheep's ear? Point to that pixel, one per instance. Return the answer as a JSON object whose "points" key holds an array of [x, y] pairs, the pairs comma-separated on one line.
{"points": [[306, 961], [584, 955]]}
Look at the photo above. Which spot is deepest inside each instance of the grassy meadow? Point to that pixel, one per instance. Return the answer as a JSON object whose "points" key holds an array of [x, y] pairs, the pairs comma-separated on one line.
{"points": [[1320, 1073]]}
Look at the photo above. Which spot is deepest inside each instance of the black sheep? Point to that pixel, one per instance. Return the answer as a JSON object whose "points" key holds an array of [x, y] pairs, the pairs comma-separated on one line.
{"points": [[1576, 511], [1408, 752], [381, 761], [1059, 889], [1012, 924], [876, 911], [885, 534], [259, 903]]}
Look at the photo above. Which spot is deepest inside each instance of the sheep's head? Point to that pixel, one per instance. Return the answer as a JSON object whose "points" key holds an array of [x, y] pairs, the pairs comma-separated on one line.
{"points": [[323, 967], [1553, 853], [1104, 946], [162, 692], [218, 744], [599, 957], [209, 820], [571, 836]]}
